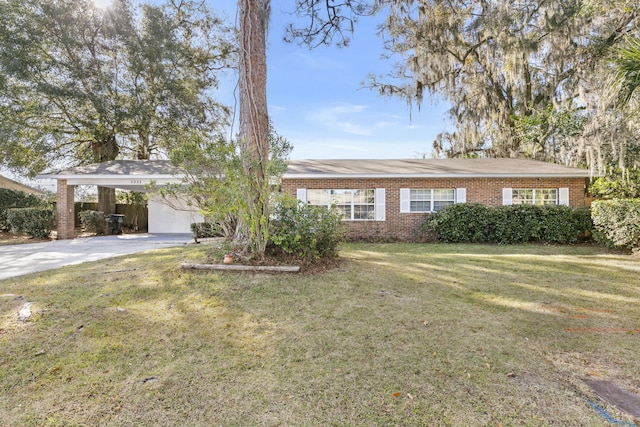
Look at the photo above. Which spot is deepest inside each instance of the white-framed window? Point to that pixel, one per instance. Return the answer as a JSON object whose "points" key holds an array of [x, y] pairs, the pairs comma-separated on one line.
{"points": [[535, 196], [430, 199], [353, 204]]}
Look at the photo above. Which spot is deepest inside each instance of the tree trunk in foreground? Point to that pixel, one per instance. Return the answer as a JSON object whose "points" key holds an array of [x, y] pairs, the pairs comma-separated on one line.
{"points": [[254, 118]]}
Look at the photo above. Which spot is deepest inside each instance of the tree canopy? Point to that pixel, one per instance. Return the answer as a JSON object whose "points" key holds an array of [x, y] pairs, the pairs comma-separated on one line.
{"points": [[525, 78], [627, 70], [503, 62], [82, 84]]}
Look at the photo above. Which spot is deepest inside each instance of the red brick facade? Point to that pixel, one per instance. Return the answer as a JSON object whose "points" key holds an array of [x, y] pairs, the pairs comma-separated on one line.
{"points": [[65, 212], [406, 226]]}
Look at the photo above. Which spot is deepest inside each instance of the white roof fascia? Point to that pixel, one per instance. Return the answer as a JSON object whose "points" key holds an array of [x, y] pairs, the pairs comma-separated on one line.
{"points": [[432, 175], [101, 175], [126, 180]]}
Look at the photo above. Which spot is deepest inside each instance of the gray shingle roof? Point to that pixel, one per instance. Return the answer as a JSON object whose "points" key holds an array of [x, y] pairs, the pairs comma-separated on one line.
{"points": [[117, 168], [433, 168], [15, 185], [355, 168]]}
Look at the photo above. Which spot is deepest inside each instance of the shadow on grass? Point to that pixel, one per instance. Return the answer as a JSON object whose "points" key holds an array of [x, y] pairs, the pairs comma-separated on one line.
{"points": [[396, 334]]}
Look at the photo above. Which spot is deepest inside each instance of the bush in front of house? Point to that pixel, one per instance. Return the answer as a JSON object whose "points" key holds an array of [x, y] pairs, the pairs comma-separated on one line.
{"points": [[564, 224], [10, 199], [34, 222], [544, 224], [93, 221], [465, 222], [477, 223], [617, 223], [308, 232], [516, 224]]}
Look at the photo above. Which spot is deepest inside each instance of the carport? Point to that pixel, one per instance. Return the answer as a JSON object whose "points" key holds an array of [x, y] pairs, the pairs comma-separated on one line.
{"points": [[165, 215]]}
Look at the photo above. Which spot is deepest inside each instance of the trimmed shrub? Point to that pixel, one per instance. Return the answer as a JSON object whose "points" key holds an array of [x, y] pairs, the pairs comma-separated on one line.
{"points": [[563, 224], [10, 199], [308, 232], [93, 221], [465, 222], [516, 224], [476, 223], [203, 230], [617, 223], [34, 222]]}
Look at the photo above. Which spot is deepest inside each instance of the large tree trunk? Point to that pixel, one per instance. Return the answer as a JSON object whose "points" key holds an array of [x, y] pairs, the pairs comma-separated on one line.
{"points": [[107, 200], [254, 119], [104, 150]]}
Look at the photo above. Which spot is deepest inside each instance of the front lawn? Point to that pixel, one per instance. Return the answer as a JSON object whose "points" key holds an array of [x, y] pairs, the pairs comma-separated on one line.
{"points": [[397, 334]]}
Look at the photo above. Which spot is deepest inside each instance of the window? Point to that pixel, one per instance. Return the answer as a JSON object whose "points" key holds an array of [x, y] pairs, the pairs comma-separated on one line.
{"points": [[354, 204], [430, 200], [534, 196]]}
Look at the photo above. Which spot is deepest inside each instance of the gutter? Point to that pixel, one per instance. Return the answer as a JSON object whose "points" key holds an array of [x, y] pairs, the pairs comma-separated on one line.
{"points": [[424, 175]]}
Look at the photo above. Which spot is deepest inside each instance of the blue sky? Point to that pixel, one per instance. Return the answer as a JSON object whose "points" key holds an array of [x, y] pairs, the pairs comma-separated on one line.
{"points": [[317, 102]]}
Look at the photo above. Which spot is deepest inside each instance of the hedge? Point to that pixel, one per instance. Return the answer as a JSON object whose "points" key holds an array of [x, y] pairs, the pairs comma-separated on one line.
{"points": [[617, 223], [477, 223], [34, 222], [93, 221], [10, 199]]}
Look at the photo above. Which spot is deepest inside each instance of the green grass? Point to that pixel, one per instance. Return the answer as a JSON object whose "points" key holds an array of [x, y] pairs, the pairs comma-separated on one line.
{"points": [[397, 334]]}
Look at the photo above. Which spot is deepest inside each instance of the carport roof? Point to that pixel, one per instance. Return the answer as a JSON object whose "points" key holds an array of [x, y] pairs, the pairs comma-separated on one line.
{"points": [[126, 174], [117, 168]]}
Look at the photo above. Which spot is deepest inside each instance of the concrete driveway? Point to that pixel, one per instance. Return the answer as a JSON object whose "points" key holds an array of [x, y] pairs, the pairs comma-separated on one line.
{"points": [[16, 260]]}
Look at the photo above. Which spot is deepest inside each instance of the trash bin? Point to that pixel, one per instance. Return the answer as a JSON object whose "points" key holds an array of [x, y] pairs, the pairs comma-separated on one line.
{"points": [[114, 223]]}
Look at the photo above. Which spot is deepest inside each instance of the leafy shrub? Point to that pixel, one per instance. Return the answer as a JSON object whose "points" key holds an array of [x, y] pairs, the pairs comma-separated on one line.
{"points": [[93, 221], [203, 230], [516, 224], [34, 222], [10, 199], [564, 224], [476, 223], [466, 222], [617, 223], [308, 232]]}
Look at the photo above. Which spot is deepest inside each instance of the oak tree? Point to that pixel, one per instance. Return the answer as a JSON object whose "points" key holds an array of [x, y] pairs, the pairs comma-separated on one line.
{"points": [[82, 84]]}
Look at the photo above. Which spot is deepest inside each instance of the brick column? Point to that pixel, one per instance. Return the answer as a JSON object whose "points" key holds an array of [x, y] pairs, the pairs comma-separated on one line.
{"points": [[65, 200]]}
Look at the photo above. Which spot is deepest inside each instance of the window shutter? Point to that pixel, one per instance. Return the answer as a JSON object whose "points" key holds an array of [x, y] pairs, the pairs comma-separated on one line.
{"points": [[507, 194], [301, 194], [461, 195], [405, 200], [380, 205], [563, 196]]}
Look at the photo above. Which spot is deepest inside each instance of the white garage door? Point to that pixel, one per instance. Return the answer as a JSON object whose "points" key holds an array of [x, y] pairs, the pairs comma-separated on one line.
{"points": [[171, 215]]}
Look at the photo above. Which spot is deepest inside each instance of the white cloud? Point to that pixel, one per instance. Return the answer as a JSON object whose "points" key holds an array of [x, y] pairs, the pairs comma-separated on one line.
{"points": [[276, 109], [340, 118], [325, 147], [353, 119]]}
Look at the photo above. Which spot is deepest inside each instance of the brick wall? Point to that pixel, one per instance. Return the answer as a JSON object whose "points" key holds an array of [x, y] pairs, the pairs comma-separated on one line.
{"points": [[64, 210], [406, 226]]}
